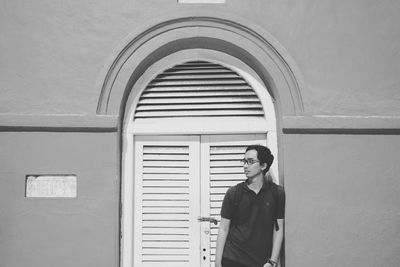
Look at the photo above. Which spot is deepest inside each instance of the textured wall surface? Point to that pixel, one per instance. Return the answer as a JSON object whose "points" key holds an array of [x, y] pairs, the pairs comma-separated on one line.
{"points": [[53, 52], [80, 231], [342, 200], [342, 189]]}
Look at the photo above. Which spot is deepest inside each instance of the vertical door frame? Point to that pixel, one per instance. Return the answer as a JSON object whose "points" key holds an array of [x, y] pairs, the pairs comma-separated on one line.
{"points": [[204, 205]]}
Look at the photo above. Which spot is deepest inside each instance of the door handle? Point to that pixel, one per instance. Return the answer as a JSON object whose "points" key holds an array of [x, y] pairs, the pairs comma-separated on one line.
{"points": [[208, 219]]}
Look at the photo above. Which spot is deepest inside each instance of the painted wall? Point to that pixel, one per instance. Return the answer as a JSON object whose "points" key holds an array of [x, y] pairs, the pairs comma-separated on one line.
{"points": [[342, 202], [78, 231], [54, 53]]}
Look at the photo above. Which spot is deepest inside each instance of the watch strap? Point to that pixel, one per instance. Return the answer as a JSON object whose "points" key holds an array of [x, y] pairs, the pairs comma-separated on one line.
{"points": [[273, 263]]}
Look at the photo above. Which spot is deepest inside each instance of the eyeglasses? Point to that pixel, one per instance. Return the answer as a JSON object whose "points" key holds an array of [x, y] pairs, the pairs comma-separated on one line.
{"points": [[248, 161]]}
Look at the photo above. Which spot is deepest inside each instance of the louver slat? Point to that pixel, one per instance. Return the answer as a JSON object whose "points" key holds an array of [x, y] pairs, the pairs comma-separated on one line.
{"points": [[164, 82], [158, 114], [165, 206], [198, 89], [198, 64], [216, 74], [204, 71], [193, 101], [196, 94], [202, 106]]}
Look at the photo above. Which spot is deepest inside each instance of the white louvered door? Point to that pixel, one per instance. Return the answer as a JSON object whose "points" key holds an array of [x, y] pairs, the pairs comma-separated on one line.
{"points": [[179, 179], [221, 169], [167, 202]]}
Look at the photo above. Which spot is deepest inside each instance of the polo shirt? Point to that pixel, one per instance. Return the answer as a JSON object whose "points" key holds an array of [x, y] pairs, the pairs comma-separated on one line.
{"points": [[249, 240]]}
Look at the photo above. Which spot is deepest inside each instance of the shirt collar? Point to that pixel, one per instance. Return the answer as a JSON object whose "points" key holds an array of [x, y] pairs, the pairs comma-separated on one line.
{"points": [[264, 187]]}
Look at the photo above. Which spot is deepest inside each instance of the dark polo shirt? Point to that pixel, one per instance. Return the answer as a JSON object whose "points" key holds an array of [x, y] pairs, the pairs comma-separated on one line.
{"points": [[250, 234]]}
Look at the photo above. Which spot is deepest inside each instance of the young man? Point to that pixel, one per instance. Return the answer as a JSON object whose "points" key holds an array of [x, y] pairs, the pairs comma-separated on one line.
{"points": [[251, 228]]}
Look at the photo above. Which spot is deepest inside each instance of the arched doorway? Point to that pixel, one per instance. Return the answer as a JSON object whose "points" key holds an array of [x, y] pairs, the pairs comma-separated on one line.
{"points": [[242, 47], [184, 134]]}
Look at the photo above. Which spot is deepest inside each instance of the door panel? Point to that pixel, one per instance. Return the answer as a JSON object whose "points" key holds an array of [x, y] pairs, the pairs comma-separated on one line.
{"points": [[166, 201], [220, 170]]}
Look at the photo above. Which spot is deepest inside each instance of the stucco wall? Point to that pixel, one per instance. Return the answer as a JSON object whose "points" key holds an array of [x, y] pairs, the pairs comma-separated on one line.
{"points": [[53, 53], [341, 188], [342, 200], [80, 231]]}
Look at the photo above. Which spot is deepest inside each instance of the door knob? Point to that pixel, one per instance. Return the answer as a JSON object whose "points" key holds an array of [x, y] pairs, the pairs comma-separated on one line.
{"points": [[208, 219]]}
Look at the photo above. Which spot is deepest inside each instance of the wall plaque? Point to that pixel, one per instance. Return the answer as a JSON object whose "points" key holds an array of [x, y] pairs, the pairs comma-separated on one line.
{"points": [[53, 186]]}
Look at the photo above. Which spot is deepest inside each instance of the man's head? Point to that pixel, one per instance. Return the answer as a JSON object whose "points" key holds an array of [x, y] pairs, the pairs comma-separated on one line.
{"points": [[263, 154]]}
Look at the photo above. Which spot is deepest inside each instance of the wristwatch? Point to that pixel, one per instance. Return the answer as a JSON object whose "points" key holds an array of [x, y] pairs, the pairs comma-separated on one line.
{"points": [[273, 263]]}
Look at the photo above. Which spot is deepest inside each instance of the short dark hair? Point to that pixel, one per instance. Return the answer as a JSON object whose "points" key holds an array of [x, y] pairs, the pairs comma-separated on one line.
{"points": [[264, 155]]}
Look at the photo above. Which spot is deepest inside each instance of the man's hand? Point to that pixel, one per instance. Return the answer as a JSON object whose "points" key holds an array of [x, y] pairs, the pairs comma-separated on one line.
{"points": [[270, 263]]}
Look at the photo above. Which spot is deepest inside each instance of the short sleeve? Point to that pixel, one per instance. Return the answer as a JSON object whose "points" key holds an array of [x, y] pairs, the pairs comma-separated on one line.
{"points": [[227, 209], [280, 212]]}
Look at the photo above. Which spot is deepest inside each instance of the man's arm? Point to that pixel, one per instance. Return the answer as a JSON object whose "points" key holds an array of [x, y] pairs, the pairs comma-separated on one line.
{"points": [[221, 239], [276, 243]]}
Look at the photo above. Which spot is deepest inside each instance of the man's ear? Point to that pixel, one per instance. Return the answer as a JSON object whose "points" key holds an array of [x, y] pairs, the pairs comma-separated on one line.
{"points": [[264, 166]]}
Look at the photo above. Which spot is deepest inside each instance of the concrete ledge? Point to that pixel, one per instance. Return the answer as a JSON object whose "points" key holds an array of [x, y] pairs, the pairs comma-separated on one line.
{"points": [[290, 124], [58, 123], [341, 125]]}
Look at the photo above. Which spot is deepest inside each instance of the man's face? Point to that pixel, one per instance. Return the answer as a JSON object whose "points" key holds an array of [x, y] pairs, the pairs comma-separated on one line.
{"points": [[255, 169]]}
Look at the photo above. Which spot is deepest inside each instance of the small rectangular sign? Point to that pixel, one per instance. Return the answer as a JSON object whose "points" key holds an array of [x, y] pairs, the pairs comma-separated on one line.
{"points": [[201, 1], [51, 186]]}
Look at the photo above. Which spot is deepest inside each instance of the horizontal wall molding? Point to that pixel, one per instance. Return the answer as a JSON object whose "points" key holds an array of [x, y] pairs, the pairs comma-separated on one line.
{"points": [[57, 123], [384, 125]]}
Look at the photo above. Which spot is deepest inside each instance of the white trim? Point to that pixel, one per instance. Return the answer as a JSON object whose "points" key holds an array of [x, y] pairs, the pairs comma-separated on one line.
{"points": [[194, 191], [200, 126], [127, 200], [129, 128], [205, 203], [138, 152]]}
